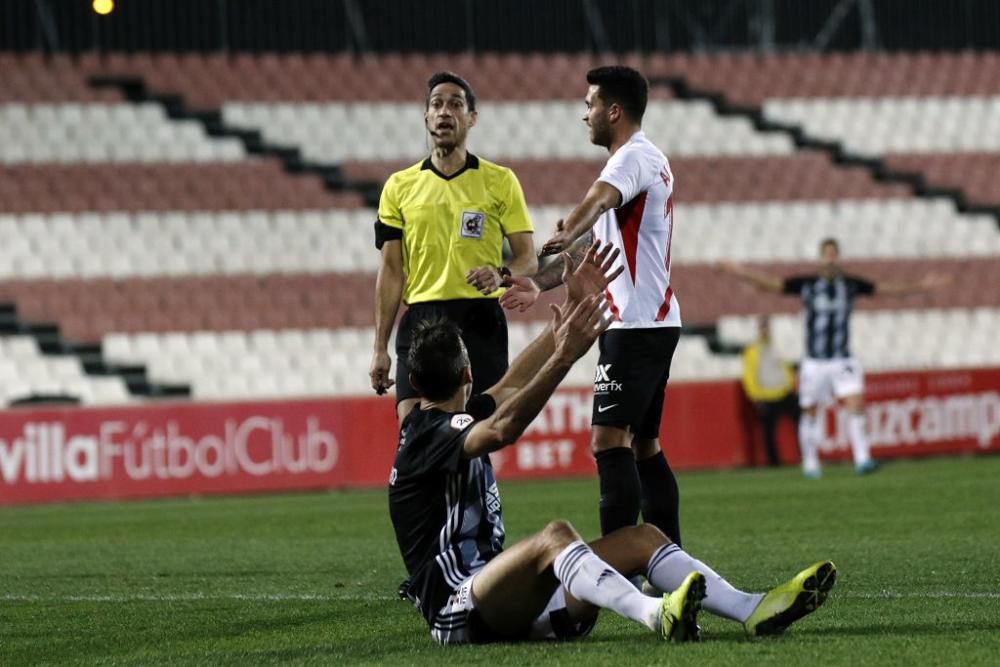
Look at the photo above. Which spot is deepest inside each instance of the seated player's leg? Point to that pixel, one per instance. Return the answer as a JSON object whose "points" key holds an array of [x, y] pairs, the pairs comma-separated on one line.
{"points": [[797, 597], [512, 590], [669, 568], [849, 387]]}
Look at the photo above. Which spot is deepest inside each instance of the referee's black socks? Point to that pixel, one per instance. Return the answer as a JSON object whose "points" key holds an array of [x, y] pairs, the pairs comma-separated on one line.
{"points": [[660, 496], [620, 499]]}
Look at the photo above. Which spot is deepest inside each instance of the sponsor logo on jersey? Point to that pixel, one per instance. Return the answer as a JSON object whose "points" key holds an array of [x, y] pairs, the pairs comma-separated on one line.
{"points": [[459, 422], [473, 223]]}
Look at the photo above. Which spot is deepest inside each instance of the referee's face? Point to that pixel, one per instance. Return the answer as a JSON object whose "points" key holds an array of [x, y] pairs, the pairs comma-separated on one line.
{"points": [[448, 117]]}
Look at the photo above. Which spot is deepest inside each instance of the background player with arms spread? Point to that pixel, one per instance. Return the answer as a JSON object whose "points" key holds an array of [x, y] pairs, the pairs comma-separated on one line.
{"points": [[441, 225], [630, 205], [828, 369], [445, 508]]}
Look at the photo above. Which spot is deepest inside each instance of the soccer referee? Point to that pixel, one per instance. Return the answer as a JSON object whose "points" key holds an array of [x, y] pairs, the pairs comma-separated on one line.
{"points": [[441, 225]]}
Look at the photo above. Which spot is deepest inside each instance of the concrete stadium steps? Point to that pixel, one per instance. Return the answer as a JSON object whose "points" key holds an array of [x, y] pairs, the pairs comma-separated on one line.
{"points": [[304, 362], [208, 80], [891, 339], [974, 174], [26, 372], [533, 129], [875, 126], [103, 187], [86, 310], [202, 243], [102, 133], [34, 78], [751, 79]]}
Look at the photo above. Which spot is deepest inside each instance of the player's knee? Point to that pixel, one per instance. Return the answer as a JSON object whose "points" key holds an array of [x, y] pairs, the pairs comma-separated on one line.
{"points": [[651, 534], [559, 533], [608, 437]]}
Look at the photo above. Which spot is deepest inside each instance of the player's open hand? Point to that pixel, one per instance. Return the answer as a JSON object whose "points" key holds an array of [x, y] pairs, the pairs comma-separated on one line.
{"points": [[594, 273], [486, 279], [378, 372], [521, 295], [576, 329], [559, 241]]}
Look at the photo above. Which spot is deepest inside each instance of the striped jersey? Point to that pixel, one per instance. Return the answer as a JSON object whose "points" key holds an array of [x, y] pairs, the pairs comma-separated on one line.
{"points": [[826, 306], [641, 228], [445, 510]]}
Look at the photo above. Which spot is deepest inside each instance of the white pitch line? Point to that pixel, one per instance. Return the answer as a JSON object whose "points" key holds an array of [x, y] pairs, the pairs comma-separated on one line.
{"points": [[352, 597]]}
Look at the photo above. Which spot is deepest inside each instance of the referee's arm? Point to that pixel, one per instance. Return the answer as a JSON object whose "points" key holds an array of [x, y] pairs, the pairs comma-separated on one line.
{"points": [[388, 295]]}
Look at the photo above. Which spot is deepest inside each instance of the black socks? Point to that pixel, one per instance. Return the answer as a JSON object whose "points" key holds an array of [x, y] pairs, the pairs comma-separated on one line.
{"points": [[619, 488], [660, 496]]}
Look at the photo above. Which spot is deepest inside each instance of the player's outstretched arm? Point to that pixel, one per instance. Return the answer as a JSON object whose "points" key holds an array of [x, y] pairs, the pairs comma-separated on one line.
{"points": [[388, 295], [762, 281], [524, 291], [600, 197], [573, 331], [588, 277], [928, 283]]}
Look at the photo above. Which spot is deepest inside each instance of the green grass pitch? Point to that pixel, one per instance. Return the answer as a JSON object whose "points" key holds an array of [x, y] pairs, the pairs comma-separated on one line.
{"points": [[310, 578]]}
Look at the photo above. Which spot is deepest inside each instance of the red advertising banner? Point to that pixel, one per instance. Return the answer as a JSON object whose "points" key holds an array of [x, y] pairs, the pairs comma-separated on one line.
{"points": [[918, 413], [202, 448]]}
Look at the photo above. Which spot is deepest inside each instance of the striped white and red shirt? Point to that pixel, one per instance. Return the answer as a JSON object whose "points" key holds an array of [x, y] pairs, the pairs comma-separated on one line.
{"points": [[641, 228]]}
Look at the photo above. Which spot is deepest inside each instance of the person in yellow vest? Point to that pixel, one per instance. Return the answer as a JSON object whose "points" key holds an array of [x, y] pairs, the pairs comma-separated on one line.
{"points": [[769, 383], [441, 228]]}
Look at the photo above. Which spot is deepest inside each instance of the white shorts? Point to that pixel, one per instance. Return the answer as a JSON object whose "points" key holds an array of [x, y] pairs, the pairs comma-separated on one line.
{"points": [[821, 380], [452, 623]]}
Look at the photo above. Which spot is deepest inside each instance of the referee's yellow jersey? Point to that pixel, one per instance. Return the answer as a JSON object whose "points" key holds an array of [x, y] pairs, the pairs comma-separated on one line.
{"points": [[451, 224]]}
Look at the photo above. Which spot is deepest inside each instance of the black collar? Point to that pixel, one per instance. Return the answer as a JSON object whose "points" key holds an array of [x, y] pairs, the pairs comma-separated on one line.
{"points": [[471, 162]]}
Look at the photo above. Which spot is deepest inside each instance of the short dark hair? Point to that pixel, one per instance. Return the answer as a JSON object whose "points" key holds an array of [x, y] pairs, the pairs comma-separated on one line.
{"points": [[829, 241], [450, 77], [623, 86], [436, 358]]}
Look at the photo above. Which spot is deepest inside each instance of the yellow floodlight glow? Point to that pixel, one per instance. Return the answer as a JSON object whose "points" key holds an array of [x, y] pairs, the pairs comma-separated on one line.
{"points": [[103, 7]]}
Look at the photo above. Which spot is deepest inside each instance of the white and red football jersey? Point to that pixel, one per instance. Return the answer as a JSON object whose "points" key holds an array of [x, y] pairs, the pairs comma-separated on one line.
{"points": [[641, 228]]}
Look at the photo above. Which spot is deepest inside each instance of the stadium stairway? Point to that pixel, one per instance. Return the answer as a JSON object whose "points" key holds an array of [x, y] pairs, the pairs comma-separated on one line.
{"points": [[136, 90], [911, 172], [46, 340]]}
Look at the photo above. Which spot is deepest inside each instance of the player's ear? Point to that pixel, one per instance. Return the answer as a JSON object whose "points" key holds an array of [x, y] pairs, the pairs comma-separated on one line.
{"points": [[473, 117], [415, 384], [467, 374], [615, 113]]}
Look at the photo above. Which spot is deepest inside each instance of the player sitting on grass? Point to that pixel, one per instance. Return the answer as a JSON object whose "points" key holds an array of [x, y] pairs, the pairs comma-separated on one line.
{"points": [[445, 507]]}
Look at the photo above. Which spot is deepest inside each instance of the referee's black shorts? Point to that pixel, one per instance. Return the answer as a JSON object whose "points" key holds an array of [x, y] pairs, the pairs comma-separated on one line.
{"points": [[484, 332], [631, 378]]}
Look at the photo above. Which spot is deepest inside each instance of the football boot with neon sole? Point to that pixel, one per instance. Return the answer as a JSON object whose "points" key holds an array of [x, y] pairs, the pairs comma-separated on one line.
{"points": [[679, 610], [797, 597]]}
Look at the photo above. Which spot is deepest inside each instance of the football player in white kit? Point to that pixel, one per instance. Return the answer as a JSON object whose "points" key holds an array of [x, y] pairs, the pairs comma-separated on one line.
{"points": [[630, 205], [829, 371]]}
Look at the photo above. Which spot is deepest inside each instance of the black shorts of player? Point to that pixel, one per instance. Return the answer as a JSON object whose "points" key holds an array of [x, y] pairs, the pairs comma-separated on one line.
{"points": [[484, 332], [631, 378]]}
